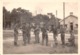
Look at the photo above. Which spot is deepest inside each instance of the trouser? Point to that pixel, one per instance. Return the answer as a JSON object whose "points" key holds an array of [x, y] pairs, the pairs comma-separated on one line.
{"points": [[28, 38], [63, 39], [72, 39], [15, 38], [73, 42], [45, 38], [24, 38], [55, 38], [37, 38]]}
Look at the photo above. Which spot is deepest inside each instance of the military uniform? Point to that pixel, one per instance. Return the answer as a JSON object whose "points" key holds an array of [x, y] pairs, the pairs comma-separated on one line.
{"points": [[62, 35], [44, 35], [72, 37], [16, 34], [26, 34], [72, 40], [36, 32], [54, 30]]}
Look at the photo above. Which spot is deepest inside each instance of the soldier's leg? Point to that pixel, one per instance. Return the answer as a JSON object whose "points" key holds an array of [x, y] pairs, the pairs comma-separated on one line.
{"points": [[28, 38], [55, 39], [15, 39], [43, 39], [62, 39], [73, 43], [24, 38], [37, 38], [46, 40], [73, 40]]}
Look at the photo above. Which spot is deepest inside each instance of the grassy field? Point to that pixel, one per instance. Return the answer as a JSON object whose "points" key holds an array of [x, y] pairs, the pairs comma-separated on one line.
{"points": [[32, 48]]}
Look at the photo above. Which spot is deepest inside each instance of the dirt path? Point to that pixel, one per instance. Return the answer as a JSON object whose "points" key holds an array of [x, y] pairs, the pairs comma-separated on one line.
{"points": [[32, 48]]}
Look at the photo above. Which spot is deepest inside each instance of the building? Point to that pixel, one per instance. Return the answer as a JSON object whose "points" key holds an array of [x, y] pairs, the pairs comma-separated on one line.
{"points": [[71, 19]]}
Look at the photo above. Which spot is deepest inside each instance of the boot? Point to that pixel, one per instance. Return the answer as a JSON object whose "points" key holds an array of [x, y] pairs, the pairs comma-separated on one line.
{"points": [[15, 43]]}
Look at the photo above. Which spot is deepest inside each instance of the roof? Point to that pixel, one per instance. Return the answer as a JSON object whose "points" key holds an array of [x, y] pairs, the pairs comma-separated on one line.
{"points": [[69, 16]]}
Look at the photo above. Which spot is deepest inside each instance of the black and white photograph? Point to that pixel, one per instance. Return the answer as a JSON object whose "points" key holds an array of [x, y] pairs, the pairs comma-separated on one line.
{"points": [[40, 27]]}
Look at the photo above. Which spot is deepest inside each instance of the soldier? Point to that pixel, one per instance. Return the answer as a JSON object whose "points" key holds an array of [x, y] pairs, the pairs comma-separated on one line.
{"points": [[24, 33], [72, 40], [28, 33], [44, 35], [54, 30], [62, 34], [15, 34], [72, 37], [36, 32]]}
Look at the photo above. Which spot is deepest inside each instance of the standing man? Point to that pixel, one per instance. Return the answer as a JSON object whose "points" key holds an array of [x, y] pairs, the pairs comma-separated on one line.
{"points": [[28, 33], [54, 30], [44, 35], [24, 31], [36, 32], [16, 34], [62, 31]]}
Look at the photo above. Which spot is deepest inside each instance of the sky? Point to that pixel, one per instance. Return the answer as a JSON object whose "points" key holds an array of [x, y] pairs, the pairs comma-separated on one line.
{"points": [[43, 6]]}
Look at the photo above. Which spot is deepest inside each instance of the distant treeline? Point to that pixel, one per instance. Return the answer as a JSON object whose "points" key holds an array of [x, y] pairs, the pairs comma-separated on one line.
{"points": [[21, 16]]}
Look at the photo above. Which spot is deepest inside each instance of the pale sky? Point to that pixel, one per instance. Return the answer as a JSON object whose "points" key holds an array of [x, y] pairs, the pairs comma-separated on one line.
{"points": [[43, 6]]}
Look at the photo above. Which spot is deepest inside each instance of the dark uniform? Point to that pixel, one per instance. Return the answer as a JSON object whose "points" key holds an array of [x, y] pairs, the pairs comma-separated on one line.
{"points": [[26, 34], [62, 31], [36, 32], [44, 35], [54, 30], [16, 34], [72, 40], [72, 37]]}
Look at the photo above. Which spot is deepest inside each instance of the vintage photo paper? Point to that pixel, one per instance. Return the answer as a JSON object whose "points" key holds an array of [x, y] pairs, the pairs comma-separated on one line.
{"points": [[40, 27]]}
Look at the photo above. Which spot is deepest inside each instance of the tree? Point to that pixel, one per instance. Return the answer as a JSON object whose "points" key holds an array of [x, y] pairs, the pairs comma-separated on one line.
{"points": [[21, 16], [15, 16], [6, 18], [25, 15], [40, 19]]}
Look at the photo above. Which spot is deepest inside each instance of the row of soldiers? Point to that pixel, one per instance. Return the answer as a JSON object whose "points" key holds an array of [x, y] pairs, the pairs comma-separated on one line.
{"points": [[26, 29]]}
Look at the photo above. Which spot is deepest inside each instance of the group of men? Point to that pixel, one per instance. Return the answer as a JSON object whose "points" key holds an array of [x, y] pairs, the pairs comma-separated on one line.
{"points": [[26, 29]]}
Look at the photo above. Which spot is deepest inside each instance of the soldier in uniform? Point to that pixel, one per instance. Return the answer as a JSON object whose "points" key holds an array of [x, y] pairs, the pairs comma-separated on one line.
{"points": [[16, 34], [72, 37], [72, 40], [44, 35], [28, 33], [36, 32], [24, 33], [54, 30], [62, 35]]}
